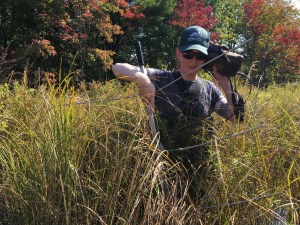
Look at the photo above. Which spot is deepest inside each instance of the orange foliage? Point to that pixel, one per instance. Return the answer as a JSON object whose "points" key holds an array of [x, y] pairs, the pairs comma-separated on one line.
{"points": [[129, 12]]}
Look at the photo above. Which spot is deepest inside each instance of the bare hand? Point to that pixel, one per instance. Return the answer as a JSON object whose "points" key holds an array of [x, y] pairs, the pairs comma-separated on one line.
{"points": [[147, 92]]}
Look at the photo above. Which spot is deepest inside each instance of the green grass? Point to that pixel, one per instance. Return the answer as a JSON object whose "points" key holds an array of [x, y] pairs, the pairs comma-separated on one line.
{"points": [[69, 163]]}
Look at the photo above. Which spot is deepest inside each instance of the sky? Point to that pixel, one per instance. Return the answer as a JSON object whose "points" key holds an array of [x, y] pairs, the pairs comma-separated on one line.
{"points": [[296, 3]]}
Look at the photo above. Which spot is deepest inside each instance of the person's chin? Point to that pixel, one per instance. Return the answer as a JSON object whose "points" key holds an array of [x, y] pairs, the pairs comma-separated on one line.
{"points": [[194, 68]]}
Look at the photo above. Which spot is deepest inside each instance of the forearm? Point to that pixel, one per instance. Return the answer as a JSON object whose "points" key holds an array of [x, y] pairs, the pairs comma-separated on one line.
{"points": [[129, 72], [132, 73], [226, 87], [225, 84]]}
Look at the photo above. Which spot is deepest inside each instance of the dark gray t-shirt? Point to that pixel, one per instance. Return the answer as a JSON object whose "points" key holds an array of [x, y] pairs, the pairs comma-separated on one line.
{"points": [[171, 100]]}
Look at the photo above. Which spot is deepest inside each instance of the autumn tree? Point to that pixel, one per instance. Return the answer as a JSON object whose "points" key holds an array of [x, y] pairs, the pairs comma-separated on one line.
{"points": [[86, 31], [275, 26], [64, 35], [193, 12]]}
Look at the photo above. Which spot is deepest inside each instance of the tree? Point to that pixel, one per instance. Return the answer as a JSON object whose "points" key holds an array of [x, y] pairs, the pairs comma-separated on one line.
{"points": [[192, 12], [160, 31], [157, 36], [61, 35], [230, 14], [275, 26], [85, 34]]}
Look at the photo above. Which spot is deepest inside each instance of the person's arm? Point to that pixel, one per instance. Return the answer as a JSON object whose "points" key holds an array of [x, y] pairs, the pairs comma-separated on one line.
{"points": [[224, 83], [132, 73]]}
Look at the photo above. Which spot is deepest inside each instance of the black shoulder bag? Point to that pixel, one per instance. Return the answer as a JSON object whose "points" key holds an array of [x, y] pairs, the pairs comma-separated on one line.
{"points": [[238, 103]]}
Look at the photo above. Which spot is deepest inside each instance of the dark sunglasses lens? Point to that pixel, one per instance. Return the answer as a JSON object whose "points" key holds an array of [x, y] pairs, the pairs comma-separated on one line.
{"points": [[191, 54], [200, 56], [188, 55]]}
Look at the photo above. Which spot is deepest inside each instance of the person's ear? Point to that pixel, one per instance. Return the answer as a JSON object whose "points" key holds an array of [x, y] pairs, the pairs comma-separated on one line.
{"points": [[178, 57], [177, 53]]}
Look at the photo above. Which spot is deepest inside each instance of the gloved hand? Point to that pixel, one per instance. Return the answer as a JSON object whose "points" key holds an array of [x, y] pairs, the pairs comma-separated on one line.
{"points": [[238, 105]]}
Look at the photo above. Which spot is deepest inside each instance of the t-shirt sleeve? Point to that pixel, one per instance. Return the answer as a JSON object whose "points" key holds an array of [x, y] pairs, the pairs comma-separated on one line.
{"points": [[153, 73], [159, 77]]}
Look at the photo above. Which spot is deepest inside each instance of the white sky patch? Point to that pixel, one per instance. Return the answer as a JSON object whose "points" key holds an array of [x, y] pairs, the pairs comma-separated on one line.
{"points": [[296, 4]]}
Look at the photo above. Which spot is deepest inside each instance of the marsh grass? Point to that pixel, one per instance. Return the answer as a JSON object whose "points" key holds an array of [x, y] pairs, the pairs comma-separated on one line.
{"points": [[96, 163]]}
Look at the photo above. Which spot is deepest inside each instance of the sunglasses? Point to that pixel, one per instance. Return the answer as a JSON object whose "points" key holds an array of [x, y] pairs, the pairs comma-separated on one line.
{"points": [[190, 54]]}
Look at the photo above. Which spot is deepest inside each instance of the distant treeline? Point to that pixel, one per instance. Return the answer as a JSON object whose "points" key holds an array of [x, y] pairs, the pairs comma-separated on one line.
{"points": [[83, 38]]}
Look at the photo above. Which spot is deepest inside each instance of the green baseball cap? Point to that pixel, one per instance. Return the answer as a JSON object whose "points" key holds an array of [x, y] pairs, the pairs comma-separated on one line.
{"points": [[194, 37]]}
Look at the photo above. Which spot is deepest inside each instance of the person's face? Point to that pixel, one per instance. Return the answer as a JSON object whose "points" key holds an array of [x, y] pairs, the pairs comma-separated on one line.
{"points": [[190, 60]]}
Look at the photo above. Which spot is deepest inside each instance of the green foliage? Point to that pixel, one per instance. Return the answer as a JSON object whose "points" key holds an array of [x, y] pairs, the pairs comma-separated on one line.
{"points": [[158, 46], [231, 23], [157, 9], [158, 38]]}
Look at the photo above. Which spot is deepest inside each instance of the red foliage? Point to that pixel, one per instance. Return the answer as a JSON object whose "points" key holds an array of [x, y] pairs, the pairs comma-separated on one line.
{"points": [[93, 13], [276, 28], [192, 12], [287, 44], [254, 10], [129, 12]]}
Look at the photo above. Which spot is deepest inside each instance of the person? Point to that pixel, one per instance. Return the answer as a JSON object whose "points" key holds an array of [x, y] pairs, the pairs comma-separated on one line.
{"points": [[184, 102]]}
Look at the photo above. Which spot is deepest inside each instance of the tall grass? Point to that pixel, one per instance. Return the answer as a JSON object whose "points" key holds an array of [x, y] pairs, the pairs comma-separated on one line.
{"points": [[263, 164], [96, 163]]}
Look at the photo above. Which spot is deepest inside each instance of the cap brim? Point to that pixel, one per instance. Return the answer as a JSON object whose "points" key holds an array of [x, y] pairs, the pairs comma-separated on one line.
{"points": [[194, 47]]}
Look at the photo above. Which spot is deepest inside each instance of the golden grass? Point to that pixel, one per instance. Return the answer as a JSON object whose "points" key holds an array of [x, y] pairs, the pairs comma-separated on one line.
{"points": [[68, 159]]}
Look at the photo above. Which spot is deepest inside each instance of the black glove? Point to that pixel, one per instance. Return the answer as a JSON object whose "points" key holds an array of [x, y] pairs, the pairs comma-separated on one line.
{"points": [[227, 65], [238, 105]]}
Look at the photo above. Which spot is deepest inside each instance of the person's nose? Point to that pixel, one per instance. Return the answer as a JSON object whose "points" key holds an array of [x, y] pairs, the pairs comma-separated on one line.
{"points": [[194, 59]]}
